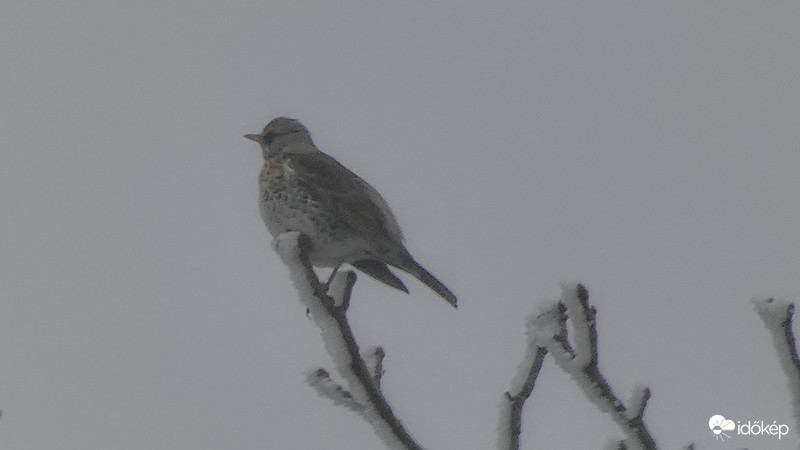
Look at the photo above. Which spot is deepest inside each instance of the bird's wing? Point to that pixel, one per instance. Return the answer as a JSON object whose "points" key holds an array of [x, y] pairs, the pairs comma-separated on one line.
{"points": [[355, 200]]}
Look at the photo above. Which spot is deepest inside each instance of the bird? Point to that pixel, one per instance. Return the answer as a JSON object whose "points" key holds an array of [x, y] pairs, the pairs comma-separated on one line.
{"points": [[347, 221]]}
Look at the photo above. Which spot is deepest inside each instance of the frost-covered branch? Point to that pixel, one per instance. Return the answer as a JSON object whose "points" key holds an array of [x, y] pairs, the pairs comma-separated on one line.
{"points": [[777, 316], [329, 313], [322, 382], [552, 322], [374, 358], [510, 425], [577, 355]]}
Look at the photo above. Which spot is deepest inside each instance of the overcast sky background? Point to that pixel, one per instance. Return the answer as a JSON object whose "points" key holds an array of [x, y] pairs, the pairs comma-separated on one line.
{"points": [[649, 150]]}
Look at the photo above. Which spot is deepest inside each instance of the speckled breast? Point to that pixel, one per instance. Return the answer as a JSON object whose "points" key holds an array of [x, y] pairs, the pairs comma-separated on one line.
{"points": [[287, 205]]}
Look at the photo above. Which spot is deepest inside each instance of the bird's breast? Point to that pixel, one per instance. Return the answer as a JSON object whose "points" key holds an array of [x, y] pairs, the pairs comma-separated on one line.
{"points": [[274, 168]]}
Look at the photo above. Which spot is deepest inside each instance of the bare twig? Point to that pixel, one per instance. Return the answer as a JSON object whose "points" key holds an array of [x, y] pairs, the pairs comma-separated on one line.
{"points": [[330, 316]]}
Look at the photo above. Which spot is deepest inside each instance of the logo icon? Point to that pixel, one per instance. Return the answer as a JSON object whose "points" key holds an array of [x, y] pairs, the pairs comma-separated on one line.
{"points": [[719, 425]]}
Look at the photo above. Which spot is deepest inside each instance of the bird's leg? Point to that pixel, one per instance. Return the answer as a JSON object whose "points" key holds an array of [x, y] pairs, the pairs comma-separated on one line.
{"points": [[327, 284], [330, 278]]}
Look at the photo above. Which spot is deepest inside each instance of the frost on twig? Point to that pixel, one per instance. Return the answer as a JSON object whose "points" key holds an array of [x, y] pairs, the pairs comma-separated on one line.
{"points": [[374, 358], [321, 380], [328, 309], [638, 402], [577, 355], [510, 423], [777, 316]]}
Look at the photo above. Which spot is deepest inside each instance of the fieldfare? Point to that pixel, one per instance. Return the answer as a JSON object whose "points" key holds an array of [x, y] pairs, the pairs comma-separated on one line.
{"points": [[303, 189]]}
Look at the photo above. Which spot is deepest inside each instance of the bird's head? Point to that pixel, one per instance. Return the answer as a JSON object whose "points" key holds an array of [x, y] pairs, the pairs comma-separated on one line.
{"points": [[283, 134]]}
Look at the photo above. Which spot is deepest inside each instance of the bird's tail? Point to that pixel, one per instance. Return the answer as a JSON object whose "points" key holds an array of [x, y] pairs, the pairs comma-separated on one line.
{"points": [[380, 272], [429, 280]]}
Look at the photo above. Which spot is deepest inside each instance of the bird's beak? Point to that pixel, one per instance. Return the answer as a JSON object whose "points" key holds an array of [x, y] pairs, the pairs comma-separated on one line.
{"points": [[254, 137]]}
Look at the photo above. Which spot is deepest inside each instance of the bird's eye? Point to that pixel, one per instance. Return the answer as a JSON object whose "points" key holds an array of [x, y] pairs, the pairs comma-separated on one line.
{"points": [[268, 137]]}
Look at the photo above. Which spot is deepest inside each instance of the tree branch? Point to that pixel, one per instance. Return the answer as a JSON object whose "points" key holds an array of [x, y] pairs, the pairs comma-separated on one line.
{"points": [[374, 358], [580, 361], [321, 380], [552, 323], [777, 317], [510, 426], [329, 313]]}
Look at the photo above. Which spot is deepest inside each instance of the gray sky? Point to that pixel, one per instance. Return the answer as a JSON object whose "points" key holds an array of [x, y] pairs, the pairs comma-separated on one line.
{"points": [[647, 150]]}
